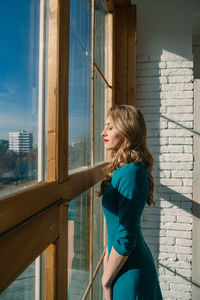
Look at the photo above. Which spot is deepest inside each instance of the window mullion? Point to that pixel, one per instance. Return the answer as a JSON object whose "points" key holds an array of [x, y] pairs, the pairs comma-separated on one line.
{"points": [[57, 167], [41, 93], [39, 262], [92, 84], [52, 140], [63, 87], [91, 236]]}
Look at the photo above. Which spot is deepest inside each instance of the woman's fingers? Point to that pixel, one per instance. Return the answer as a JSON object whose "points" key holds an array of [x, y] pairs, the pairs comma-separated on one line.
{"points": [[108, 293]]}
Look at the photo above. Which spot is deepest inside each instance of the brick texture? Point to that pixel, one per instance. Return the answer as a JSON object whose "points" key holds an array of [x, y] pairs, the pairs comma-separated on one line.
{"points": [[164, 93]]}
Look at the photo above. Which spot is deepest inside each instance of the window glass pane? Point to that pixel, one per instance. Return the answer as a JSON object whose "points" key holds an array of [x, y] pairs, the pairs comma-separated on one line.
{"points": [[20, 59], [97, 287], [101, 94], [98, 234], [79, 243], [80, 84], [23, 287], [100, 11]]}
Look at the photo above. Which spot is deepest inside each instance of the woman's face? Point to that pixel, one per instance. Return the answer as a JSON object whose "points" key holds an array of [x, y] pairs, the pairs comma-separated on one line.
{"points": [[112, 138]]}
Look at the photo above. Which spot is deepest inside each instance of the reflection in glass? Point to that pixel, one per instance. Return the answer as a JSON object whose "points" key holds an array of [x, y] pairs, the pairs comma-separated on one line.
{"points": [[23, 288], [100, 11], [80, 84], [88, 297], [19, 83], [97, 287], [79, 243], [100, 97], [98, 242]]}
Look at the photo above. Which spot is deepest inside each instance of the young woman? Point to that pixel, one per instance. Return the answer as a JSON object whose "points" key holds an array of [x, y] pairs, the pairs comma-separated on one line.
{"points": [[129, 270]]}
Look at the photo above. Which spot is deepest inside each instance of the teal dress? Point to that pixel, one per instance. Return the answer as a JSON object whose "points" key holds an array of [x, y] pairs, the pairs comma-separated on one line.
{"points": [[123, 202]]}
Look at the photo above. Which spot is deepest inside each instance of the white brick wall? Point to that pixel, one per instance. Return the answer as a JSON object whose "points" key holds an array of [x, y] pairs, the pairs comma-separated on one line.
{"points": [[165, 96]]}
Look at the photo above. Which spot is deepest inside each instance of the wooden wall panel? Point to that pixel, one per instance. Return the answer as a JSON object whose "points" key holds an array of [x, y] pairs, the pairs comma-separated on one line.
{"points": [[125, 54], [20, 247], [18, 207], [86, 179], [110, 5], [131, 55], [121, 50], [122, 2]]}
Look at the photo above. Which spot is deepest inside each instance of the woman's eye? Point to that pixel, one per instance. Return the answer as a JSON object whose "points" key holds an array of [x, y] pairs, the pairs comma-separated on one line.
{"points": [[110, 128]]}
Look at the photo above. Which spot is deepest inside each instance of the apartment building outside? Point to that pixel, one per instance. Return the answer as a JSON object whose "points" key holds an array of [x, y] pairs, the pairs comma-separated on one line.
{"points": [[21, 141]]}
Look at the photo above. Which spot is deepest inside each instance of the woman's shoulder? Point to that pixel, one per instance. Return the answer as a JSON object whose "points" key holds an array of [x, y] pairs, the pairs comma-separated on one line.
{"points": [[128, 169], [128, 178], [128, 172]]}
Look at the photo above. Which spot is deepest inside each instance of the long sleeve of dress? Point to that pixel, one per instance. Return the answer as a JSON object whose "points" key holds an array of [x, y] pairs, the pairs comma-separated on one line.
{"points": [[129, 184]]}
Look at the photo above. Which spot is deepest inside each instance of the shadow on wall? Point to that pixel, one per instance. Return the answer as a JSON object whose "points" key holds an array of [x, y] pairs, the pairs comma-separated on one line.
{"points": [[165, 96], [165, 30], [196, 213]]}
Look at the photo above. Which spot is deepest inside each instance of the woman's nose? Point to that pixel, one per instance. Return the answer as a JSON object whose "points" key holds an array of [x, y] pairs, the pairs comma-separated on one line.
{"points": [[103, 133]]}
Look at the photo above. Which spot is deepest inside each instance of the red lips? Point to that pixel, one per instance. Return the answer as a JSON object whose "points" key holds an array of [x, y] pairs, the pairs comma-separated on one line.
{"points": [[106, 140]]}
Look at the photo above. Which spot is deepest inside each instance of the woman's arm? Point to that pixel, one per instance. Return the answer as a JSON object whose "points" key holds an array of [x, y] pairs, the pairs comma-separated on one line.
{"points": [[112, 264]]}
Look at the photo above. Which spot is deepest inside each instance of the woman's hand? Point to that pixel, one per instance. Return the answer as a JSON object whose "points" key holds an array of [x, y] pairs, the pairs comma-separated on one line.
{"points": [[107, 293], [105, 282], [106, 288]]}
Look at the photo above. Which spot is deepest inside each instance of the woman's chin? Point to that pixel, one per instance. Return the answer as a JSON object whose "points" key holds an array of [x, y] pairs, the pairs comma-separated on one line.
{"points": [[107, 148]]}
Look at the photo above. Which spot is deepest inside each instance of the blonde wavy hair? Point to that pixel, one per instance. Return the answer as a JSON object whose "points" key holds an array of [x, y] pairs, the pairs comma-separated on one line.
{"points": [[129, 122]]}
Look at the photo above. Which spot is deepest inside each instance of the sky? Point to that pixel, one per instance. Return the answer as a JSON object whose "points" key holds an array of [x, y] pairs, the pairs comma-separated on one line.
{"points": [[80, 70], [19, 31], [19, 55]]}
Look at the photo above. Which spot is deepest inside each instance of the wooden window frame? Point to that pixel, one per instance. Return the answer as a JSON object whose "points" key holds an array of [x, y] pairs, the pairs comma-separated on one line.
{"points": [[35, 218]]}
